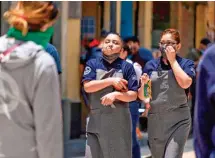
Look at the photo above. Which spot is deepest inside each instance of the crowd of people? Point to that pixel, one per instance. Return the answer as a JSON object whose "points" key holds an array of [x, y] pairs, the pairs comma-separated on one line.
{"points": [[115, 72], [170, 117]]}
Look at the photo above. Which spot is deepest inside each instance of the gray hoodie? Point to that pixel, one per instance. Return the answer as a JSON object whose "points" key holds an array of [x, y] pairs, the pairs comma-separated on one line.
{"points": [[30, 108]]}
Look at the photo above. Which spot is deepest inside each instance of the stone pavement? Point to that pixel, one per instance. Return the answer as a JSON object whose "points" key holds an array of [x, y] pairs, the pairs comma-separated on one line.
{"points": [[75, 148], [190, 154], [188, 150]]}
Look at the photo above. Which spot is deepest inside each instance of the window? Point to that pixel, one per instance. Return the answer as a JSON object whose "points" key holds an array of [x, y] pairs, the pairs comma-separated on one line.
{"points": [[161, 20], [88, 27]]}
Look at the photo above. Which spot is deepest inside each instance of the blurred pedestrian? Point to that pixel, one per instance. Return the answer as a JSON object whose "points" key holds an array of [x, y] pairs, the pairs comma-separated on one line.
{"points": [[204, 122], [30, 105], [138, 54], [134, 105], [54, 53], [204, 44]]}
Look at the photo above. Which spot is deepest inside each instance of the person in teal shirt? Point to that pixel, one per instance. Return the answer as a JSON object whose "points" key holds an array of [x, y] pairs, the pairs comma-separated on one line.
{"points": [[54, 53]]}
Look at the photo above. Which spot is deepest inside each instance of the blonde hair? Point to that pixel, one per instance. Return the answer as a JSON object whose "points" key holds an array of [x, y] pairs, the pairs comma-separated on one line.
{"points": [[31, 15]]}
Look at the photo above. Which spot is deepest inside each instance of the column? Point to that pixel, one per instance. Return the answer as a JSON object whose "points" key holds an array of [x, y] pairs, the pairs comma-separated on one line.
{"points": [[72, 58], [113, 16], [210, 13], [126, 18], [173, 14], [118, 16], [64, 46], [5, 5], [186, 26], [107, 15], [200, 23], [145, 24], [57, 29], [73, 51]]}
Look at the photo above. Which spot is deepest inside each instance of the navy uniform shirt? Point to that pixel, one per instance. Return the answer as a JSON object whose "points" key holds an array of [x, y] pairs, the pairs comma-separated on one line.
{"points": [[186, 64], [204, 117], [120, 65]]}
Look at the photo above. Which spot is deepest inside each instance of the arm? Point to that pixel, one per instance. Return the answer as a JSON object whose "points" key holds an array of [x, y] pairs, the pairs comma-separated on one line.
{"points": [[144, 80], [91, 84], [96, 85], [182, 78], [131, 77], [126, 96], [89, 78], [48, 115]]}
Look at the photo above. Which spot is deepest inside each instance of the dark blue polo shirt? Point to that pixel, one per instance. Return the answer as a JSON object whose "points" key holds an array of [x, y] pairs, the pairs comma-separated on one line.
{"points": [[158, 65], [204, 117], [119, 65], [186, 64]]}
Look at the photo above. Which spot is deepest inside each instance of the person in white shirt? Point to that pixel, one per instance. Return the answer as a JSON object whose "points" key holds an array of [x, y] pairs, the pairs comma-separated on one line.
{"points": [[134, 105]]}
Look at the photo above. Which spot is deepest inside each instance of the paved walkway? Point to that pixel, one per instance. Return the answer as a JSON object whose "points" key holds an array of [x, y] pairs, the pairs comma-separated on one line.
{"points": [[190, 154]]}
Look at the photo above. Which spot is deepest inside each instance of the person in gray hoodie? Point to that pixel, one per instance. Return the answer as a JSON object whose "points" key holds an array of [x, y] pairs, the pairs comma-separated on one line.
{"points": [[30, 107]]}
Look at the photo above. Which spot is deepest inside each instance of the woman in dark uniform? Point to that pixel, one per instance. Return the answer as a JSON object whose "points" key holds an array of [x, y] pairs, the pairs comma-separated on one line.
{"points": [[169, 116], [111, 83]]}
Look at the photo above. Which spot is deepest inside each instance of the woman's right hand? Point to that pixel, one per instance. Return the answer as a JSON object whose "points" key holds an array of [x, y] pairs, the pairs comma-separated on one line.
{"points": [[144, 79]]}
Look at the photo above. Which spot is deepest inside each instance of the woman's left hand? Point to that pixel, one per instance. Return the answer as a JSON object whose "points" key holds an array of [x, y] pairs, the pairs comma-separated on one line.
{"points": [[108, 99], [170, 53], [144, 79]]}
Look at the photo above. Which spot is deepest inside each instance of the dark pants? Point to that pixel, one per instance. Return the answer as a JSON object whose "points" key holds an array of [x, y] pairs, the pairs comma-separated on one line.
{"points": [[134, 106]]}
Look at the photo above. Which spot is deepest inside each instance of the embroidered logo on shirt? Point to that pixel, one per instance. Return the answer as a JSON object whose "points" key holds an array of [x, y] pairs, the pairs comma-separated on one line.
{"points": [[87, 70]]}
